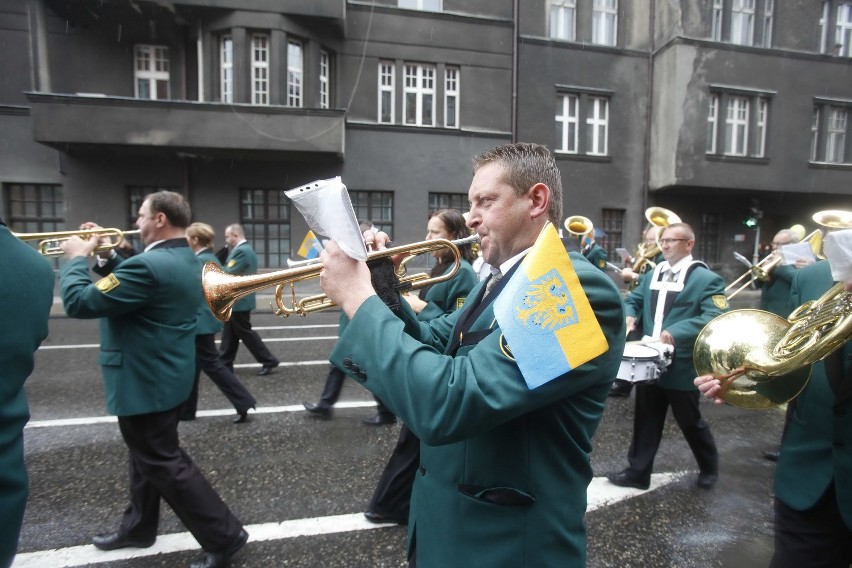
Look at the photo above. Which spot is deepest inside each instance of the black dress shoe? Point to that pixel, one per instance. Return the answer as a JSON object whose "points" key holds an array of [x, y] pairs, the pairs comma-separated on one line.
{"points": [[323, 412], [623, 480], [266, 369], [118, 539], [220, 559], [771, 456], [379, 420], [706, 479], [381, 519], [241, 418]]}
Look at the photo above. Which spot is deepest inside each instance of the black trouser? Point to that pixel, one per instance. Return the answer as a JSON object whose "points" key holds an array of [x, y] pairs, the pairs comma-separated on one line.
{"points": [[652, 403], [239, 328], [816, 538], [160, 468], [333, 386], [207, 359], [392, 496]]}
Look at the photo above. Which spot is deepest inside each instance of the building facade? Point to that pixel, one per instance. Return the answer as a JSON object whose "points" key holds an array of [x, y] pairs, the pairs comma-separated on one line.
{"points": [[715, 109]]}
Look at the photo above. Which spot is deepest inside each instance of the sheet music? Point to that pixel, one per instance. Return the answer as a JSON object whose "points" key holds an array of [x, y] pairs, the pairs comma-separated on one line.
{"points": [[797, 251], [326, 207]]}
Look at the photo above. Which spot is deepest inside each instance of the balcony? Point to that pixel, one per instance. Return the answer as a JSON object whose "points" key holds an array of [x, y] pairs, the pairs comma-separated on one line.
{"points": [[213, 130]]}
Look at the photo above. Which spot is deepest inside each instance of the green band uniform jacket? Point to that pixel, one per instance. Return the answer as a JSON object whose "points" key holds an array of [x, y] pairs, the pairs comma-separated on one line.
{"points": [[207, 322], [775, 294], [242, 261], [148, 305], [817, 445], [597, 255], [701, 300], [446, 297], [503, 469], [27, 284]]}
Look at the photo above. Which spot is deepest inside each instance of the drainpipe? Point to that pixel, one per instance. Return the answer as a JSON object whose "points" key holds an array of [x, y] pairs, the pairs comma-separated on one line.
{"points": [[649, 106], [515, 32]]}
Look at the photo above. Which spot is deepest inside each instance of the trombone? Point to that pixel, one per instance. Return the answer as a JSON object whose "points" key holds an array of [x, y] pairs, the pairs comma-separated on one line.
{"points": [[49, 242], [222, 290]]}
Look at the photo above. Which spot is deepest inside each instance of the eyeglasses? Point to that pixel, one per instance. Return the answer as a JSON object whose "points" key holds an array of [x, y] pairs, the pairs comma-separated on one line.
{"points": [[670, 241]]}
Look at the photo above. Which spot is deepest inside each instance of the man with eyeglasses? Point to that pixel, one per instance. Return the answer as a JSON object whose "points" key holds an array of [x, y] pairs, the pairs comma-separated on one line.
{"points": [[671, 305]]}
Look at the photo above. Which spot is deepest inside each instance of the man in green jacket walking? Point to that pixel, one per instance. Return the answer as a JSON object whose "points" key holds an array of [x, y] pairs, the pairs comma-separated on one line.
{"points": [[147, 305]]}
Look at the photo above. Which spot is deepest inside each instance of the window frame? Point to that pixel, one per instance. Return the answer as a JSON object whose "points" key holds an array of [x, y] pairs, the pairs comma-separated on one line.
{"points": [[295, 73], [605, 22], [419, 86], [226, 68], [742, 21], [261, 73], [452, 93], [150, 76], [744, 131], [563, 15], [324, 78], [262, 229], [843, 29], [387, 90], [380, 214]]}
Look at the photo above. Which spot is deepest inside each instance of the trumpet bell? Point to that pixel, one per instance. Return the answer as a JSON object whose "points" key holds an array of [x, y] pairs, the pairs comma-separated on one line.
{"points": [[834, 219], [746, 338], [578, 225]]}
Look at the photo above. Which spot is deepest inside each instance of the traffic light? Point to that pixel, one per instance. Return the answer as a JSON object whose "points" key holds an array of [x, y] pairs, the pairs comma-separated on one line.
{"points": [[752, 216]]}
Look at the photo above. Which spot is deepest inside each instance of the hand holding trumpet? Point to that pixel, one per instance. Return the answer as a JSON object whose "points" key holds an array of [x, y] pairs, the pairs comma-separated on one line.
{"points": [[73, 246], [346, 281]]}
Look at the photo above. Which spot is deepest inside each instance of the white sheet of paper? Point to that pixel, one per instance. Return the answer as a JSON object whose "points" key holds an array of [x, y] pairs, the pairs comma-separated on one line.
{"points": [[797, 251], [326, 207]]}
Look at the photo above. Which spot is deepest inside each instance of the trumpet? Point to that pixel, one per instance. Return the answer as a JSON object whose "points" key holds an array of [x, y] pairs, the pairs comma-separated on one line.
{"points": [[222, 290], [49, 242], [764, 360]]}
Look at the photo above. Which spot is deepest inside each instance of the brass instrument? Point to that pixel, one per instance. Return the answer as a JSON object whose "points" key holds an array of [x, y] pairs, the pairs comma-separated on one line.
{"points": [[222, 290], [763, 269], [661, 218], [48, 242], [579, 226], [764, 360]]}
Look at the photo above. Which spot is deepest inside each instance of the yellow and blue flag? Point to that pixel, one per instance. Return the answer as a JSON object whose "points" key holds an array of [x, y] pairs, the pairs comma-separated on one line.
{"points": [[311, 246], [546, 319]]}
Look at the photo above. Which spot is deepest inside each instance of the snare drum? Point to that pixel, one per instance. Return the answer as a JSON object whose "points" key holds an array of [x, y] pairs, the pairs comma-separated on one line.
{"points": [[640, 363]]}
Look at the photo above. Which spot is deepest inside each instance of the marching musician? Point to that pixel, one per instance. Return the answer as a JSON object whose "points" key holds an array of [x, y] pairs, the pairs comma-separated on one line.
{"points": [[672, 305], [148, 307], [27, 285], [594, 252], [504, 454], [813, 479]]}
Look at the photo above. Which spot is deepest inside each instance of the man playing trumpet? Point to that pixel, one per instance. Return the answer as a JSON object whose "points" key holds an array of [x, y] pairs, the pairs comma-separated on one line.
{"points": [[504, 465]]}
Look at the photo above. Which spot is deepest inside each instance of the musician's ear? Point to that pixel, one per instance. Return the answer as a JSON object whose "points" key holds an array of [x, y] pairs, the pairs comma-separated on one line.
{"points": [[539, 196]]}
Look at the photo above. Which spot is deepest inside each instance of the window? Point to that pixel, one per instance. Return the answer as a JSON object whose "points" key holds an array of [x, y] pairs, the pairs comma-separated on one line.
{"points": [[428, 5], [375, 206], [708, 244], [324, 78], [566, 123], [598, 126], [823, 27], [563, 17], [738, 121], [594, 139], [613, 225], [742, 22], [35, 208], [843, 33], [604, 22], [712, 124], [260, 69], [419, 95], [768, 17], [457, 201], [386, 89], [451, 97], [152, 72], [265, 216], [226, 81], [295, 66], [716, 21], [829, 129]]}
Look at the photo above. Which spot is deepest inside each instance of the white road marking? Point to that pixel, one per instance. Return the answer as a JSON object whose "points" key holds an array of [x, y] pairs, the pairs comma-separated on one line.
{"points": [[601, 493], [265, 340], [89, 420]]}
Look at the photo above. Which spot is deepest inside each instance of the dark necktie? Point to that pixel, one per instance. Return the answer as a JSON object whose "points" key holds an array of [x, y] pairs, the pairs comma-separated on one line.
{"points": [[495, 278]]}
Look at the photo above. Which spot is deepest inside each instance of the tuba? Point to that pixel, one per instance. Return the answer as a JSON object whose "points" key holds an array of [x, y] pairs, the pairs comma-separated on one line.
{"points": [[764, 360], [579, 226]]}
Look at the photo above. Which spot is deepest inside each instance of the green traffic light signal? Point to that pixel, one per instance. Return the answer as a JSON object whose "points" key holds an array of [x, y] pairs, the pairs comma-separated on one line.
{"points": [[750, 222]]}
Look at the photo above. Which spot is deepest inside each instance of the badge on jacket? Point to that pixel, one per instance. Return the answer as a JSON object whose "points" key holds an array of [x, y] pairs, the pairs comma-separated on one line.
{"points": [[107, 283], [720, 301], [231, 263]]}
